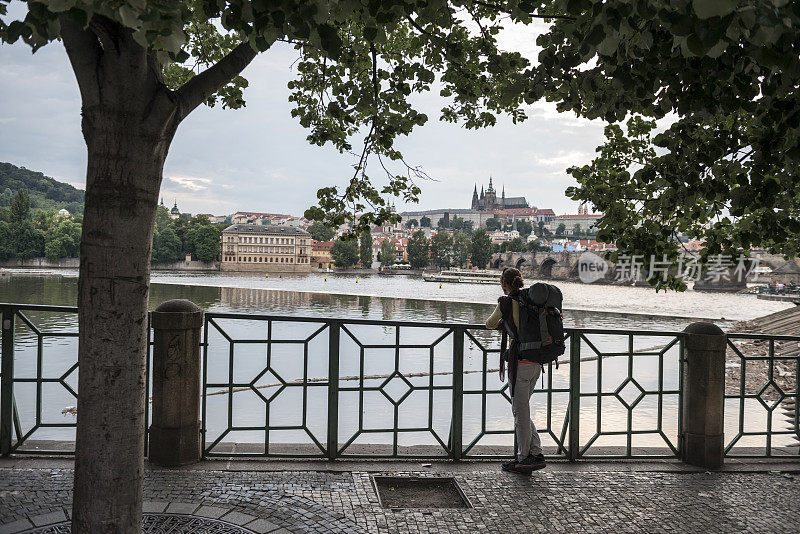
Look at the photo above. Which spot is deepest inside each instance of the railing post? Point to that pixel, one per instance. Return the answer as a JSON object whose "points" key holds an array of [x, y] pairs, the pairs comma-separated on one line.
{"points": [[574, 395], [175, 433], [457, 423], [333, 389], [7, 385], [703, 391]]}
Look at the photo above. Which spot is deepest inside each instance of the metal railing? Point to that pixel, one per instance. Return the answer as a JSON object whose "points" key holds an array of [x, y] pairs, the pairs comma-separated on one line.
{"points": [[763, 372], [337, 388]]}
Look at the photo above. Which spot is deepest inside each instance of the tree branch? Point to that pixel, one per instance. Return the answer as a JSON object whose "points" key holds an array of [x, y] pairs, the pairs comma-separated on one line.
{"points": [[200, 87], [84, 52]]}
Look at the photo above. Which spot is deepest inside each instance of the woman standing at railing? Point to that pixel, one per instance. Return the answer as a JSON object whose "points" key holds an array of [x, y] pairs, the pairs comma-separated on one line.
{"points": [[522, 376]]}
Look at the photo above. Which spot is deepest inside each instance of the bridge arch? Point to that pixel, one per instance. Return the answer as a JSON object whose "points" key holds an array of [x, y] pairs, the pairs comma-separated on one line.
{"points": [[519, 263], [495, 264], [546, 269]]}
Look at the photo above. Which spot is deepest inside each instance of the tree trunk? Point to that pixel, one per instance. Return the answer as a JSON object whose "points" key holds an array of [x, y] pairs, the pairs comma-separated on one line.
{"points": [[122, 185], [129, 120]]}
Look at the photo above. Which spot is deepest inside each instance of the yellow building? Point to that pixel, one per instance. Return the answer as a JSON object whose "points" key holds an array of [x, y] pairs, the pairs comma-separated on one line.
{"points": [[321, 254], [263, 248]]}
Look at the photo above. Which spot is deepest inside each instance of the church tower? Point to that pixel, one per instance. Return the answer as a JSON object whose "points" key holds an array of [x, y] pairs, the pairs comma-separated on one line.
{"points": [[503, 198], [491, 197], [475, 197]]}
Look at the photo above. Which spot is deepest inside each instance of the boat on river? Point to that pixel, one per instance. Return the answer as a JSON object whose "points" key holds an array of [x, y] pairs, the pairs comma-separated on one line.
{"points": [[480, 276]]}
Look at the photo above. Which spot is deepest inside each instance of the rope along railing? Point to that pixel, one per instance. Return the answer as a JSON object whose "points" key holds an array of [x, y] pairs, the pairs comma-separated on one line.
{"points": [[339, 388]]}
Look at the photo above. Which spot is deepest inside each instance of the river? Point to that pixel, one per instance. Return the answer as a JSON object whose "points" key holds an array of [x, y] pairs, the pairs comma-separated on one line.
{"points": [[371, 296]]}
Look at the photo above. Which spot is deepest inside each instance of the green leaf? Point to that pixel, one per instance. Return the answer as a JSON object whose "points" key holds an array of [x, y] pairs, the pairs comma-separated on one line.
{"points": [[129, 17], [57, 6], [706, 9]]}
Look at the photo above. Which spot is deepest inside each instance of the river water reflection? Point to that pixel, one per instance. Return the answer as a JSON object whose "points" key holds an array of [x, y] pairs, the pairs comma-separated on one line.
{"points": [[306, 297]]}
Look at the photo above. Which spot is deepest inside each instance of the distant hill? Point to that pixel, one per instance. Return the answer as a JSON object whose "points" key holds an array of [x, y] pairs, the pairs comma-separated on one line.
{"points": [[45, 192]]}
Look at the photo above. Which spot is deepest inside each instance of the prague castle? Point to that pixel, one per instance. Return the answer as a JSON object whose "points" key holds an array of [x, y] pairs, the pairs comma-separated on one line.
{"points": [[485, 206], [488, 201]]}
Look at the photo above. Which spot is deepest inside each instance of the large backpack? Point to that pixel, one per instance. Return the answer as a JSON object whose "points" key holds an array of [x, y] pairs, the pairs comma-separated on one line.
{"points": [[540, 337]]}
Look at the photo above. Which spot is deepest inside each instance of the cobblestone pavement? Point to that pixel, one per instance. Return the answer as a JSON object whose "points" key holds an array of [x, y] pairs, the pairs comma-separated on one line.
{"points": [[559, 499]]}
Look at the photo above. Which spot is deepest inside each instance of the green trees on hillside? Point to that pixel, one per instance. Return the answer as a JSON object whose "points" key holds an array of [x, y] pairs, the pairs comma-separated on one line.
{"points": [[174, 239], [44, 192], [62, 239], [25, 234], [20, 237], [524, 228]]}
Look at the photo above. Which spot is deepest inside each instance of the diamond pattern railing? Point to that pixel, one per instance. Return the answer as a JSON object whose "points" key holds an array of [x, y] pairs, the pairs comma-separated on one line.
{"points": [[762, 375], [330, 388], [396, 387], [630, 378], [267, 386], [25, 329], [554, 397]]}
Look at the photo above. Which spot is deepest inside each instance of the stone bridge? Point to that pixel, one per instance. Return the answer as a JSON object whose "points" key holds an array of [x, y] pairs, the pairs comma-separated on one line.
{"points": [[553, 265]]}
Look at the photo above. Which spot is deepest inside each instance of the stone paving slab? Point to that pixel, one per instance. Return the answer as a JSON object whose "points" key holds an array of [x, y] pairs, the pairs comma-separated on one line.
{"points": [[557, 499]]}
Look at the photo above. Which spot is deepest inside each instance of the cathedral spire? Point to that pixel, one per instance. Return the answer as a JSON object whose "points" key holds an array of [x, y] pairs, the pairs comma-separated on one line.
{"points": [[491, 188]]}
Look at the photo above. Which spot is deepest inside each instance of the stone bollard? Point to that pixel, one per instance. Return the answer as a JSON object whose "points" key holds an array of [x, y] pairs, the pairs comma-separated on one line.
{"points": [[703, 387], [175, 432]]}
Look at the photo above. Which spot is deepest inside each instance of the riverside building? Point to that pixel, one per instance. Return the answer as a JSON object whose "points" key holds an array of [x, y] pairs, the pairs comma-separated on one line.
{"points": [[265, 248]]}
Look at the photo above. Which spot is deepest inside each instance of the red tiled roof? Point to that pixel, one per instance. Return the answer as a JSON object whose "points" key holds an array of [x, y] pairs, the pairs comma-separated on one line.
{"points": [[321, 245]]}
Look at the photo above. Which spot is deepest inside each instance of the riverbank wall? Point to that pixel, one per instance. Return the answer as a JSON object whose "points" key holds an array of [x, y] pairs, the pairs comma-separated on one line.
{"points": [[74, 263]]}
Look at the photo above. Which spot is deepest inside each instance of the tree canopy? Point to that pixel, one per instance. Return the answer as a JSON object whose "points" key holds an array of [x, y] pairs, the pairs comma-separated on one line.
{"points": [[727, 73], [365, 249], [418, 250], [320, 232], [480, 249], [441, 249], [345, 253]]}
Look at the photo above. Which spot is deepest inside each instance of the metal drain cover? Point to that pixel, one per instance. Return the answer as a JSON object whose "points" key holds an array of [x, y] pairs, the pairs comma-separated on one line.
{"points": [[419, 492], [164, 524]]}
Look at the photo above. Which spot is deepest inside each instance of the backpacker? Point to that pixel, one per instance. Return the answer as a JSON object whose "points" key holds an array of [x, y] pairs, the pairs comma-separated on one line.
{"points": [[541, 326]]}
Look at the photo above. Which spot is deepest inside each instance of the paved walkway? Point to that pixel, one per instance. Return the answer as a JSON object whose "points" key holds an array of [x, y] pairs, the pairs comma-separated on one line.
{"points": [[281, 497]]}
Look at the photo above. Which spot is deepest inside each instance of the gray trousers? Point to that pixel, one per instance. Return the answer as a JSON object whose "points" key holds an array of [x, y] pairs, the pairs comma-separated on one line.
{"points": [[528, 441]]}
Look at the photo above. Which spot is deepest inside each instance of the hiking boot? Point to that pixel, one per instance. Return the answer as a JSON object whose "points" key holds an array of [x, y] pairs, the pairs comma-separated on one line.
{"points": [[532, 463]]}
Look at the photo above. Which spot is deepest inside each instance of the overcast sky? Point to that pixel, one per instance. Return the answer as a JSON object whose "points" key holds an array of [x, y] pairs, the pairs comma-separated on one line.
{"points": [[257, 158]]}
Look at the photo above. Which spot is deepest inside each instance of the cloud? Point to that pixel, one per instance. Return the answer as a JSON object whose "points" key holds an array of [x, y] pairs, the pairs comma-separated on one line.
{"points": [[192, 183], [563, 159]]}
